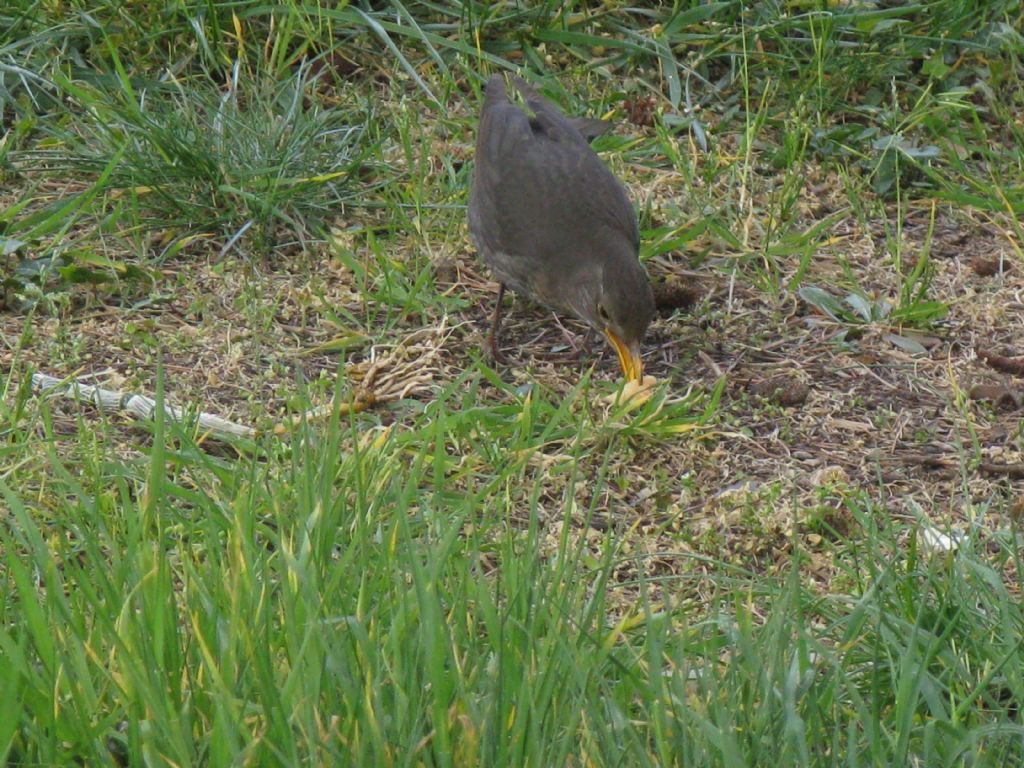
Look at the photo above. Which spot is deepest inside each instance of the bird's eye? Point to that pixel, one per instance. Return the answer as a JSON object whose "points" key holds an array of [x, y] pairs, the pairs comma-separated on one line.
{"points": [[602, 313]]}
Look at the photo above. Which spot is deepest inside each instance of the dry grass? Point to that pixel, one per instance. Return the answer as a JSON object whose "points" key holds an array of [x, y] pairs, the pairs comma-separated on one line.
{"points": [[813, 410]]}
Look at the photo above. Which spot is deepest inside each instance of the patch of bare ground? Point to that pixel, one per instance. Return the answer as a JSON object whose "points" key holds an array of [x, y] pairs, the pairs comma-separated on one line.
{"points": [[815, 411]]}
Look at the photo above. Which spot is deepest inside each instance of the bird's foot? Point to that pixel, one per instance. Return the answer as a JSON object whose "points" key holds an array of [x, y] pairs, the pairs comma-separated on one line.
{"points": [[497, 355], [577, 344]]}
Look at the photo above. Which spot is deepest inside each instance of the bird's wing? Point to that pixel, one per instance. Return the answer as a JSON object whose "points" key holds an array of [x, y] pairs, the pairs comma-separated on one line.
{"points": [[597, 190], [503, 131], [590, 127], [539, 191]]}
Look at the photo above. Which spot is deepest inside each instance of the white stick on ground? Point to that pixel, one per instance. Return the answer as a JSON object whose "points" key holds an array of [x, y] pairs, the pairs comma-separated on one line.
{"points": [[139, 406]]}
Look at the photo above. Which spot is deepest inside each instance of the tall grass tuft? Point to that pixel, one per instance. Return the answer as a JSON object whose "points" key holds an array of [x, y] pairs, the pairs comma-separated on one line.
{"points": [[253, 161]]}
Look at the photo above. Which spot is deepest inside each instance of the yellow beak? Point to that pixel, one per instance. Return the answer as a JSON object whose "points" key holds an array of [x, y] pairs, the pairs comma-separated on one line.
{"points": [[629, 356]]}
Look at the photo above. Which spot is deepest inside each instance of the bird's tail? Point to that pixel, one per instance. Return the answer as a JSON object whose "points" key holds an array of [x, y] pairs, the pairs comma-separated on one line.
{"points": [[495, 92]]}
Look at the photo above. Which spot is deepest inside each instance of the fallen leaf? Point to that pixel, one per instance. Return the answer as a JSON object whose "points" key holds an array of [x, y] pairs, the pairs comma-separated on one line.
{"points": [[634, 392]]}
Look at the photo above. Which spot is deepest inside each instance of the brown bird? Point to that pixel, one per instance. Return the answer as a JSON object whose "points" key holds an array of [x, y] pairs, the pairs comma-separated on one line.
{"points": [[553, 223]]}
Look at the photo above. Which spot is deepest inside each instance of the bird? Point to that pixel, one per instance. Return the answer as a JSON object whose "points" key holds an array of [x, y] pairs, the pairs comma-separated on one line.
{"points": [[553, 223]]}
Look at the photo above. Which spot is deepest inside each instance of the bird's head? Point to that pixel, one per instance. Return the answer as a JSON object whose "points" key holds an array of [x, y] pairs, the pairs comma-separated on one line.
{"points": [[616, 299]]}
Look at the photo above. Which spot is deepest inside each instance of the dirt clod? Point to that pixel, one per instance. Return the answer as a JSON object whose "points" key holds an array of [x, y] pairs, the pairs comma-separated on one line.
{"points": [[640, 110], [1002, 363], [784, 390], [987, 266], [674, 295], [1003, 398], [446, 271]]}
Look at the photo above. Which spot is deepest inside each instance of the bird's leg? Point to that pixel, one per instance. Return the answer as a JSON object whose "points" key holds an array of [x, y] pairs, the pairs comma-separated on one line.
{"points": [[492, 339], [584, 344]]}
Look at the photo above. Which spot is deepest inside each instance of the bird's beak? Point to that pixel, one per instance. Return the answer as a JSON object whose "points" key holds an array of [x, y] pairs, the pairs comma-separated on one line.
{"points": [[629, 356]]}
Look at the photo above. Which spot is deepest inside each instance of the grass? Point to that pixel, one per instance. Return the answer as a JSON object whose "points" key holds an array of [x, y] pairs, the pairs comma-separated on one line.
{"points": [[343, 600], [795, 552]]}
